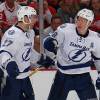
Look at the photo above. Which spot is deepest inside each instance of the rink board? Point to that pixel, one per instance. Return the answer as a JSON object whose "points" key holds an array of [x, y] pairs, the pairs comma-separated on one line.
{"points": [[43, 80]]}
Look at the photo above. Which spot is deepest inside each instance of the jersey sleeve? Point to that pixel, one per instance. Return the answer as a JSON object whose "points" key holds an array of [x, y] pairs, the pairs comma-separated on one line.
{"points": [[32, 36], [10, 42], [35, 56]]}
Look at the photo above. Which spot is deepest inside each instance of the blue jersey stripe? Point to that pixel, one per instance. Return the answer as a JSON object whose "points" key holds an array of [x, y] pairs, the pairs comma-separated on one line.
{"points": [[83, 65]]}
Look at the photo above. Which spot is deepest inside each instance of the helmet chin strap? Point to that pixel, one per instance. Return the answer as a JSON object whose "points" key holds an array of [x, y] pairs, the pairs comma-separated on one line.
{"points": [[26, 22], [28, 19]]}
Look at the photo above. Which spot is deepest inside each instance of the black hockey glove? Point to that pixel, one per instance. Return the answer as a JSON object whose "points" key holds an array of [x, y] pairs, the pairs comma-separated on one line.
{"points": [[51, 45], [98, 82], [45, 61]]}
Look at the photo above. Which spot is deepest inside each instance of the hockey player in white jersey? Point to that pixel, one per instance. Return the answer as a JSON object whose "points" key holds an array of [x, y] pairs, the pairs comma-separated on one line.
{"points": [[17, 53], [76, 47]]}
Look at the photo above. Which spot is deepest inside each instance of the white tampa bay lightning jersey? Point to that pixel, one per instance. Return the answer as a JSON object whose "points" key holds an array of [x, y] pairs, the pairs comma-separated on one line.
{"points": [[75, 53], [19, 45]]}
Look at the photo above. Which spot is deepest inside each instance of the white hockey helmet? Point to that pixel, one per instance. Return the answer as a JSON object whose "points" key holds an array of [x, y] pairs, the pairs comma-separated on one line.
{"points": [[87, 14], [25, 11]]}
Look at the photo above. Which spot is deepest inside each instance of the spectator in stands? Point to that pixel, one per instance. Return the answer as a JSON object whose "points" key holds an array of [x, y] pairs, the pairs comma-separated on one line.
{"points": [[34, 4], [48, 13], [65, 12], [3, 24], [10, 8], [22, 2], [85, 4], [74, 6], [55, 22], [96, 8], [54, 3]]}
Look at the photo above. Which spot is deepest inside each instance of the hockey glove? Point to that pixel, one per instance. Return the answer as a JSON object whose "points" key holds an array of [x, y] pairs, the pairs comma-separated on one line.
{"points": [[45, 61], [12, 69], [51, 45], [98, 82]]}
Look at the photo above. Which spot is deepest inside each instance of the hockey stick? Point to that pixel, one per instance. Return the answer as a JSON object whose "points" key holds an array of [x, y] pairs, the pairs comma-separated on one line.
{"points": [[30, 72], [27, 74]]}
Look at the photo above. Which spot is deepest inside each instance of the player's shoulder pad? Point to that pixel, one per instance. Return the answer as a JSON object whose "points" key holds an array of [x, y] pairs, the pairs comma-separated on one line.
{"points": [[10, 31], [12, 34]]}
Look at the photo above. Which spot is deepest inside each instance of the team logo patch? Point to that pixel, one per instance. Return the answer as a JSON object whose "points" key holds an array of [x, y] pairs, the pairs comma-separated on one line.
{"points": [[26, 54], [11, 32], [77, 55]]}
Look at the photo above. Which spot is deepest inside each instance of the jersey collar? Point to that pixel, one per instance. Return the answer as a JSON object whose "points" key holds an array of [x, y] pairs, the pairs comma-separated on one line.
{"points": [[86, 34], [20, 28]]}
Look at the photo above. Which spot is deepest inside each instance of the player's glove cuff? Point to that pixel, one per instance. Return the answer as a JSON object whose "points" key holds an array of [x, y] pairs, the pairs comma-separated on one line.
{"points": [[45, 61]]}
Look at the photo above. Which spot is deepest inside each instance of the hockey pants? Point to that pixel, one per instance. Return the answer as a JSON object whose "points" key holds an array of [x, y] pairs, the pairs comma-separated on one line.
{"points": [[18, 90], [81, 83]]}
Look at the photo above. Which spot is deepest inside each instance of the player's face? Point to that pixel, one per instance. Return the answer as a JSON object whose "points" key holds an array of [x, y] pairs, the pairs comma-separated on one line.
{"points": [[55, 23], [82, 24], [34, 19], [31, 20]]}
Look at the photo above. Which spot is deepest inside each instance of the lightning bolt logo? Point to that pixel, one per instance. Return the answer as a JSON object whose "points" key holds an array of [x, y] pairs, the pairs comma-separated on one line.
{"points": [[25, 55], [77, 55]]}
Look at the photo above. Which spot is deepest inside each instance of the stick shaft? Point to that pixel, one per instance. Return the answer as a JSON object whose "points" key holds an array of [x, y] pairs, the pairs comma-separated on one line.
{"points": [[27, 74]]}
